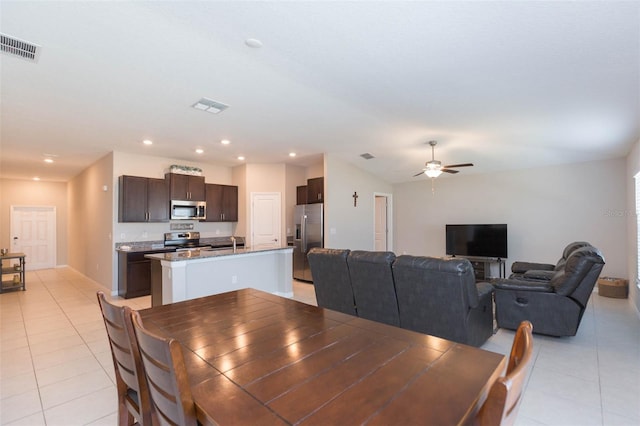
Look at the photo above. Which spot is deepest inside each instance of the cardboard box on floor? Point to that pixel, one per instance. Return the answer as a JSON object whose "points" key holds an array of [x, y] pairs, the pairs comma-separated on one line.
{"points": [[613, 287]]}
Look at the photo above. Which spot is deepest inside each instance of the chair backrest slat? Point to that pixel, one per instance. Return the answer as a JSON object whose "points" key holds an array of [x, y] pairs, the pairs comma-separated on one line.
{"points": [[127, 362], [167, 377], [505, 395]]}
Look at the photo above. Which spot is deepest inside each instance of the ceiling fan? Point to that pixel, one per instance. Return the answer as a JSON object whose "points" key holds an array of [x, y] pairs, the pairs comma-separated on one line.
{"points": [[435, 168]]}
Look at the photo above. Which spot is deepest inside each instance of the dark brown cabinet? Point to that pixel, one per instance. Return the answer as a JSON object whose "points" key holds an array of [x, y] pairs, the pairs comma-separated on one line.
{"points": [[222, 203], [143, 200], [315, 190], [301, 194], [186, 187], [134, 273]]}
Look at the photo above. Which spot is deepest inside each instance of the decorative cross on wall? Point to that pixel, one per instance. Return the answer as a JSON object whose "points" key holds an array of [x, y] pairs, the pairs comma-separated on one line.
{"points": [[355, 199]]}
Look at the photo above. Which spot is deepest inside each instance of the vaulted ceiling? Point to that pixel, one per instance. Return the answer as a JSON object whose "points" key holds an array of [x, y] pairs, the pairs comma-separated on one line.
{"points": [[504, 85]]}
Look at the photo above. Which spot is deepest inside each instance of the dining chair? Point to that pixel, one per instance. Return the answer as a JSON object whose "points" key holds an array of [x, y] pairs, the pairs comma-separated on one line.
{"points": [[505, 395], [134, 403], [166, 375]]}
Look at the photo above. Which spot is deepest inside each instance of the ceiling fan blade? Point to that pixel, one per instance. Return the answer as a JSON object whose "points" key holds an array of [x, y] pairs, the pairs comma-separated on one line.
{"points": [[418, 174], [449, 170], [459, 165]]}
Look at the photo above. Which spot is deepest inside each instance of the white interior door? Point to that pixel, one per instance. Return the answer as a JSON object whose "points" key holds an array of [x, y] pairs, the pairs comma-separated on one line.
{"points": [[266, 220], [33, 232], [381, 223]]}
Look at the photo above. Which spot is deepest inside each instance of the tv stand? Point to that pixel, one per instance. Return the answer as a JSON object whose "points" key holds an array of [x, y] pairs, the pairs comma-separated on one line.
{"points": [[482, 266]]}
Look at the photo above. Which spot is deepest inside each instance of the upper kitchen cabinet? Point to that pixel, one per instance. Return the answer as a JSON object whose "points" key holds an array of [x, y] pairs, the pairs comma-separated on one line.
{"points": [[143, 200], [186, 187], [315, 190], [301, 194], [222, 203]]}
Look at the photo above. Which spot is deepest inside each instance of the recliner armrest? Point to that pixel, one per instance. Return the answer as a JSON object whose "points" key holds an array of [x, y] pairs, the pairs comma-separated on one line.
{"points": [[538, 275], [484, 289], [522, 267], [539, 286]]}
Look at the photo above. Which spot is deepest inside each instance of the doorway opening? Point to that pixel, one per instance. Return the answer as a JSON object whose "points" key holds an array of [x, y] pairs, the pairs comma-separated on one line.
{"points": [[382, 230]]}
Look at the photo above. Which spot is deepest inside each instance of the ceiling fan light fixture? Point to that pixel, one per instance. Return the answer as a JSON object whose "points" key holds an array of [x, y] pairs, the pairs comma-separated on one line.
{"points": [[433, 169]]}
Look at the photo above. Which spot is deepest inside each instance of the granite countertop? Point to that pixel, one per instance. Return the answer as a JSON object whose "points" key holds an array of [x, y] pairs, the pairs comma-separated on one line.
{"points": [[141, 246], [204, 254]]}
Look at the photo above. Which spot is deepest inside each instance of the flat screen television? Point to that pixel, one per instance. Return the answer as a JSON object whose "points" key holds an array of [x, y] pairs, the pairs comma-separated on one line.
{"points": [[477, 240]]}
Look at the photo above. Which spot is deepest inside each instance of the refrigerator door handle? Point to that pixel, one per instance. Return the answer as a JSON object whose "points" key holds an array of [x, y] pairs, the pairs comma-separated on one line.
{"points": [[304, 234]]}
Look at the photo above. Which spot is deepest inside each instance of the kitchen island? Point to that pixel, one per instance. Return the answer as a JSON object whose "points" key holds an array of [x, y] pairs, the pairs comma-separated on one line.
{"points": [[185, 275]]}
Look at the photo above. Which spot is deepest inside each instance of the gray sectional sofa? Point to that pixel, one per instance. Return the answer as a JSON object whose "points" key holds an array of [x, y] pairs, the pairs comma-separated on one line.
{"points": [[430, 295]]}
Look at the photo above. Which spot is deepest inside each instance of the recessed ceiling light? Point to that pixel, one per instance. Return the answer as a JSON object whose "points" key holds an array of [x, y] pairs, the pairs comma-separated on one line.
{"points": [[48, 160], [253, 42], [240, 157], [225, 141], [36, 178], [292, 154], [147, 142], [199, 151]]}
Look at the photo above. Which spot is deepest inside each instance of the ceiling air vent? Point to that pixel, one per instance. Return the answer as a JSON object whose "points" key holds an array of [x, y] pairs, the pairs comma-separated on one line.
{"points": [[367, 156], [214, 107], [20, 48]]}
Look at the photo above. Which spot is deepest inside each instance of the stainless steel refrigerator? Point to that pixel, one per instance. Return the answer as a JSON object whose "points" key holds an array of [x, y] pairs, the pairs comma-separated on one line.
{"points": [[308, 226]]}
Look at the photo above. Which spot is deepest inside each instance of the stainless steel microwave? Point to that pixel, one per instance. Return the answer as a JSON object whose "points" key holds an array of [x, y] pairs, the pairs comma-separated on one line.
{"points": [[188, 210]]}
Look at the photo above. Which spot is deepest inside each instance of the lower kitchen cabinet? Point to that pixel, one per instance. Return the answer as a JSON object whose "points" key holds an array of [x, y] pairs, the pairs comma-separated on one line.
{"points": [[134, 273]]}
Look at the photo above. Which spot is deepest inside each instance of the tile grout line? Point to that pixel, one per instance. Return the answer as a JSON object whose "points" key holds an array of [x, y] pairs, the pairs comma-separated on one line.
{"points": [[594, 306], [73, 325], [33, 366]]}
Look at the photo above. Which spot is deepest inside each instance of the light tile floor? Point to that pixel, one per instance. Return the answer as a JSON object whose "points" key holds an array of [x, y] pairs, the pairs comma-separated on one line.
{"points": [[56, 366]]}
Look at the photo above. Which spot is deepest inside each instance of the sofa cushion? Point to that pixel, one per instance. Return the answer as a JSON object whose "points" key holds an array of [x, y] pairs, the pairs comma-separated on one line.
{"points": [[373, 287], [440, 297], [578, 265], [570, 248], [331, 279]]}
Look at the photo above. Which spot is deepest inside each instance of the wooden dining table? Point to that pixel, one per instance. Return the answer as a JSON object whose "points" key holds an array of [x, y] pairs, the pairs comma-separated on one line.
{"points": [[258, 359]]}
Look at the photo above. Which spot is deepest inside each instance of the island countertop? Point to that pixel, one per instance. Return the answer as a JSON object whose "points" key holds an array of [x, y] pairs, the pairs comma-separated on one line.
{"points": [[209, 253], [194, 273]]}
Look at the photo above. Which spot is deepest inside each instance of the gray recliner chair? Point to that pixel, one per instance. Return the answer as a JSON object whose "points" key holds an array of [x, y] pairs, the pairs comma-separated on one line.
{"points": [[543, 271], [373, 287], [554, 307], [331, 279], [440, 297]]}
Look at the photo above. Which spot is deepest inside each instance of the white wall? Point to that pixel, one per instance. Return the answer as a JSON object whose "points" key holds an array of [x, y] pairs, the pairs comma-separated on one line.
{"points": [[14, 192], [347, 226], [314, 171], [91, 250], [282, 178], [544, 209], [265, 178], [633, 168]]}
